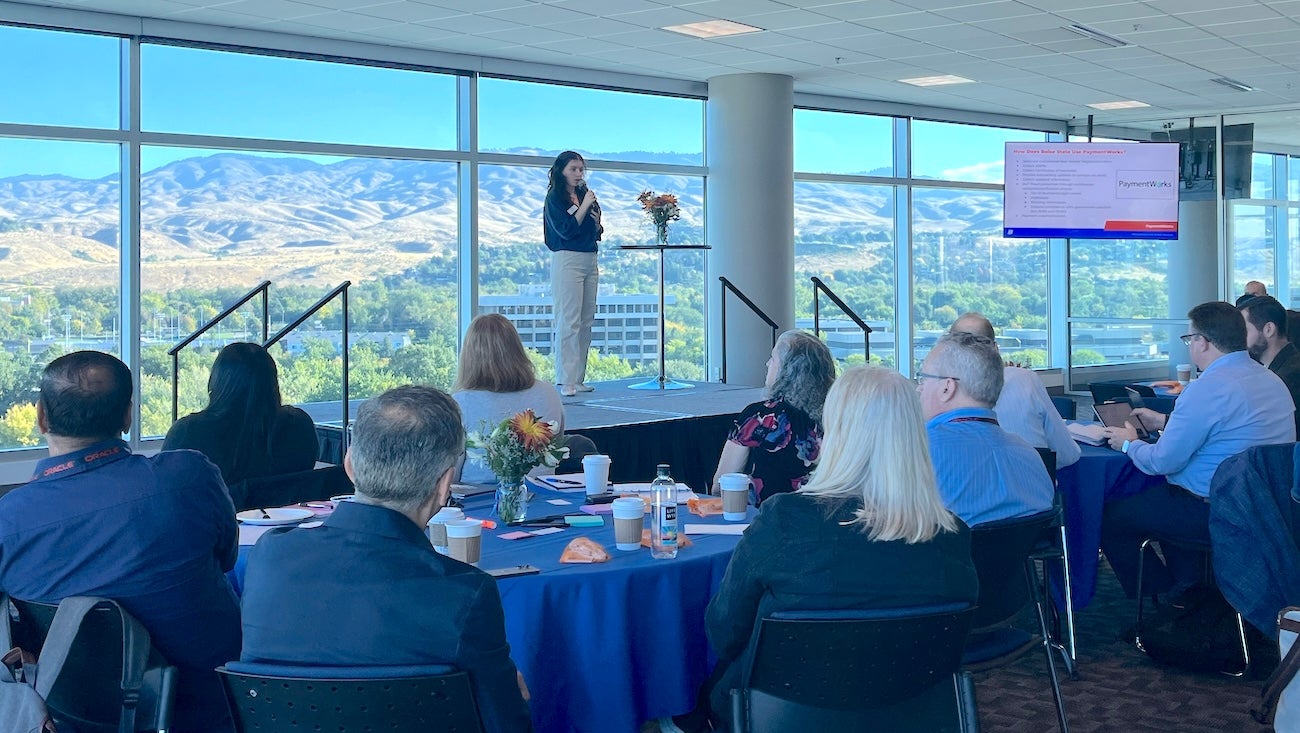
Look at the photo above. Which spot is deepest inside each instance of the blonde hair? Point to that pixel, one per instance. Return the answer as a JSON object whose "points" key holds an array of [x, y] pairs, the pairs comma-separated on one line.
{"points": [[875, 448], [492, 358]]}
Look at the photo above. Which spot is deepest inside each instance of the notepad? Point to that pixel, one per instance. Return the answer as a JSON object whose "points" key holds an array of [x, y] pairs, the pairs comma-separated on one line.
{"points": [[716, 528]]}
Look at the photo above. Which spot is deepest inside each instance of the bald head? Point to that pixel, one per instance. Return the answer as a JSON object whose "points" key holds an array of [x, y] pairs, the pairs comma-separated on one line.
{"points": [[975, 323], [1255, 287]]}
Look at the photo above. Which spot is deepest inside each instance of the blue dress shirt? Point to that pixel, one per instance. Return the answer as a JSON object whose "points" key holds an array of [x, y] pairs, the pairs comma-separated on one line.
{"points": [[156, 534], [984, 472], [1236, 404]]}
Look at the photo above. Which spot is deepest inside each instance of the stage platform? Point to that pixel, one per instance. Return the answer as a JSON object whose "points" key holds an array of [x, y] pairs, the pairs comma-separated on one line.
{"points": [[638, 429]]}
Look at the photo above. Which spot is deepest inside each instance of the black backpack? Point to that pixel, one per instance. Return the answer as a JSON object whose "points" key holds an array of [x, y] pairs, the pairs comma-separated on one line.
{"points": [[1201, 637]]}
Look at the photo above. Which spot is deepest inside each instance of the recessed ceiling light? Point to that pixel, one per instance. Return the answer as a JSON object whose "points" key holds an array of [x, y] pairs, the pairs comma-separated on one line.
{"points": [[712, 29], [1096, 35], [937, 81], [1233, 83], [1124, 104]]}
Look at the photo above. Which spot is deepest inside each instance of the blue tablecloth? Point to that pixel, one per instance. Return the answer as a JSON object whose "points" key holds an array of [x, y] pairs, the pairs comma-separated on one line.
{"points": [[603, 647], [1100, 475]]}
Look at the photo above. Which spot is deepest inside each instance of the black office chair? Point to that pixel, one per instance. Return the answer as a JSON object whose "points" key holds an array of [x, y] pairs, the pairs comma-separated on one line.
{"points": [[892, 670], [290, 488], [1052, 546], [89, 694], [273, 698], [1001, 553]]}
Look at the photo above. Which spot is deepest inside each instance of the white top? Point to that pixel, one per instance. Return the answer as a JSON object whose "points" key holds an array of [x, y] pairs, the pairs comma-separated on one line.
{"points": [[1025, 409], [482, 410]]}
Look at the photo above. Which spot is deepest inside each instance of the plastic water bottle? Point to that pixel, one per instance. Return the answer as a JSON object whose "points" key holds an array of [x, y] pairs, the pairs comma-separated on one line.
{"points": [[663, 531]]}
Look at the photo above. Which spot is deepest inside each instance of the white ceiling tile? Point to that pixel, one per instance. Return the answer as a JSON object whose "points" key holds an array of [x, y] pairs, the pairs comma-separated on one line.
{"points": [[336, 20], [407, 33], [338, 4], [863, 10], [595, 27], [1226, 7], [471, 24], [1250, 28], [907, 22], [406, 12], [732, 9], [988, 11], [536, 15], [1255, 40], [831, 31], [606, 7], [478, 6], [273, 9], [660, 18], [533, 36], [1024, 24], [215, 16], [651, 37]]}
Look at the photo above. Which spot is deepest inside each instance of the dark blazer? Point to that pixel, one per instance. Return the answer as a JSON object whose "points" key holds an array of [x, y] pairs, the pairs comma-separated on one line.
{"points": [[1286, 365], [796, 554], [367, 589], [561, 230], [292, 446]]}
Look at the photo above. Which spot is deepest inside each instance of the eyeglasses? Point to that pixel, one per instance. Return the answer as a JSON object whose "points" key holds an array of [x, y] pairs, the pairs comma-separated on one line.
{"points": [[1187, 338], [923, 375]]}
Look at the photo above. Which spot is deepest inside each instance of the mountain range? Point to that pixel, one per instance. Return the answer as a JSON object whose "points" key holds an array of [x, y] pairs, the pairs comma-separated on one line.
{"points": [[230, 217]]}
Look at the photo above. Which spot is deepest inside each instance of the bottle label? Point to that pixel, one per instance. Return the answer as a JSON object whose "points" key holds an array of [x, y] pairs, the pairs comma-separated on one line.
{"points": [[668, 525]]}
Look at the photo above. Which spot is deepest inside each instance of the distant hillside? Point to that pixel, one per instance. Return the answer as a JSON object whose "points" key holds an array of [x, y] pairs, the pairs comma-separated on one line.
{"points": [[233, 217]]}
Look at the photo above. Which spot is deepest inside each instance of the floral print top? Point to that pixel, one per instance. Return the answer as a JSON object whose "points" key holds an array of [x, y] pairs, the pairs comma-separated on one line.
{"points": [[784, 444]]}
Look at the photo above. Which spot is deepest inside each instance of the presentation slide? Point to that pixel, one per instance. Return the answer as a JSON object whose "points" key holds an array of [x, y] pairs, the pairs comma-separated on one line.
{"points": [[1091, 190]]}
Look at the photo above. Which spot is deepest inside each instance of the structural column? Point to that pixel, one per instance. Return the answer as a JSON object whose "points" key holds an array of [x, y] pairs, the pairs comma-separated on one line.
{"points": [[750, 216], [1193, 268]]}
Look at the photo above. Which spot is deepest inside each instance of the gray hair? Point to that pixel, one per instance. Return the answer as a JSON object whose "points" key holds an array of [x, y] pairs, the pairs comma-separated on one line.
{"points": [[807, 372], [976, 323], [974, 361], [404, 440]]}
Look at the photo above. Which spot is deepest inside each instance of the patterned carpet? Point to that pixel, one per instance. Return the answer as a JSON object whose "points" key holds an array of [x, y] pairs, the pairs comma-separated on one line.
{"points": [[1120, 689]]}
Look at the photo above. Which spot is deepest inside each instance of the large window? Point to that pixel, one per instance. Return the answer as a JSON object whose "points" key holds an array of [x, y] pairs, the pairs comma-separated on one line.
{"points": [[306, 224], [515, 279], [55, 78], [544, 119], [960, 263], [966, 153], [254, 96], [59, 236], [848, 144]]}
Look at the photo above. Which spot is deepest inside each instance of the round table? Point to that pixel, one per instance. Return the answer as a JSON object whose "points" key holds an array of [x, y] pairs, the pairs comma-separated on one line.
{"points": [[608, 646]]}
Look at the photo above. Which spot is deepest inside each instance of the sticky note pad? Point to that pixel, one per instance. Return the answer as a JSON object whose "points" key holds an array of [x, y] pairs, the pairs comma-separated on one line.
{"points": [[559, 502], [545, 531], [515, 535], [584, 521]]}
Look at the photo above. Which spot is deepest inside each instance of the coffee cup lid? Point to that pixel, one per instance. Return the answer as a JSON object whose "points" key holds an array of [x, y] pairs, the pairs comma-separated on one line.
{"points": [[447, 514], [464, 528]]}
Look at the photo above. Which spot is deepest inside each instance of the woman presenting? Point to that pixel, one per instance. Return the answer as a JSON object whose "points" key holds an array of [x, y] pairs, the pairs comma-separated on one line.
{"points": [[572, 228]]}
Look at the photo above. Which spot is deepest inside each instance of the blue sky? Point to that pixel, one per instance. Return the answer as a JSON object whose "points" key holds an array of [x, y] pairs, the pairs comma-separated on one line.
{"points": [[72, 79]]}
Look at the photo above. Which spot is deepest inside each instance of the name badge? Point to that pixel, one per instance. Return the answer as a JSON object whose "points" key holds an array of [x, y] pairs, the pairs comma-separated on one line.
{"points": [[572, 209]]}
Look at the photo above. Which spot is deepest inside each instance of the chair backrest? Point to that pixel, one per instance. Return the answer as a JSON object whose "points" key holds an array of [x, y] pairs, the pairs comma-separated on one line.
{"points": [[290, 488], [1000, 551], [836, 670], [1049, 462], [88, 694], [273, 698]]}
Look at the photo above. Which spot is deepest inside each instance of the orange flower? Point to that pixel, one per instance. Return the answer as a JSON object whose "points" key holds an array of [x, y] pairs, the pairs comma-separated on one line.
{"points": [[533, 433]]}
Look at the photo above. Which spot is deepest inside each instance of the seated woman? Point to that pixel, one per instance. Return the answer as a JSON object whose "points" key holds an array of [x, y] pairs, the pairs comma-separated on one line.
{"points": [[777, 441], [495, 380], [868, 531], [245, 430]]}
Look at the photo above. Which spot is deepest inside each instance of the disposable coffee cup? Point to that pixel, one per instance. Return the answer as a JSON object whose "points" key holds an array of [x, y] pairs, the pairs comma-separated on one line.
{"points": [[595, 473], [465, 540], [735, 496], [629, 518], [1184, 373], [437, 528]]}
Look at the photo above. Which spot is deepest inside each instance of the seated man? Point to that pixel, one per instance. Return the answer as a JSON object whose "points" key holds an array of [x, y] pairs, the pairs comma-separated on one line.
{"points": [[1235, 404], [1267, 342], [984, 472], [156, 534], [1024, 407], [1254, 289], [367, 588]]}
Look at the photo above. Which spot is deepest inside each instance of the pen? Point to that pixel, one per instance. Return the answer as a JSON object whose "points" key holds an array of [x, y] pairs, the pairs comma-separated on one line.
{"points": [[562, 481]]}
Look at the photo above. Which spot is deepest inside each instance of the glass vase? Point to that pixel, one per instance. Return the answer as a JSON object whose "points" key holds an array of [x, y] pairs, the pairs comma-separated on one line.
{"points": [[661, 234], [512, 500]]}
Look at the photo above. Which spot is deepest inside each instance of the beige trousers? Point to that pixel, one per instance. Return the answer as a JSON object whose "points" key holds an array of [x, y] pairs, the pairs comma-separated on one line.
{"points": [[574, 278]]}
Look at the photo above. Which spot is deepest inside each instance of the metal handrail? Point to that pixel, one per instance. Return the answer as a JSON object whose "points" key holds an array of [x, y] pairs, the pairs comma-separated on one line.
{"points": [[727, 285], [821, 287], [174, 352], [335, 293]]}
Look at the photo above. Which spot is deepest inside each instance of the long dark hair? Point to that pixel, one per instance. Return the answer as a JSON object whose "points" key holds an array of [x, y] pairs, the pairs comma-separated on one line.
{"points": [[555, 177], [244, 394]]}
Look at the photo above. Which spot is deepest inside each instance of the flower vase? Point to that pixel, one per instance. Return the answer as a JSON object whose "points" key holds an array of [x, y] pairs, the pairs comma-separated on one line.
{"points": [[512, 500], [661, 234]]}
